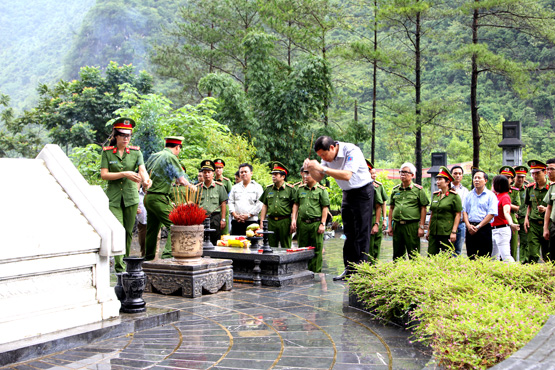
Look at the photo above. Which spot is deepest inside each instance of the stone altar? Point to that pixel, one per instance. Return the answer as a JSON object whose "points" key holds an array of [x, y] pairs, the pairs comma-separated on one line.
{"points": [[169, 276], [280, 268]]}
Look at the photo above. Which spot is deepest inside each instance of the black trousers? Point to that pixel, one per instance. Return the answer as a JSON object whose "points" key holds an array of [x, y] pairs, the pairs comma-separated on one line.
{"points": [[240, 228], [479, 244], [356, 210]]}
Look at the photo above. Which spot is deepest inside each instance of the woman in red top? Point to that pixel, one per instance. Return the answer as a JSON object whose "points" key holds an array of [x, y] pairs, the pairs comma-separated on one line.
{"points": [[503, 222]]}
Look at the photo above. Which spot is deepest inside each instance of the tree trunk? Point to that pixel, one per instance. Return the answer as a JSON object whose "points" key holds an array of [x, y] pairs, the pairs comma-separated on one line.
{"points": [[374, 73], [418, 98], [473, 96]]}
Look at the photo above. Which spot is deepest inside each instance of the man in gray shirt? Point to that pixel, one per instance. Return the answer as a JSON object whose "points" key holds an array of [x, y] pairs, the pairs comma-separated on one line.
{"points": [[347, 165]]}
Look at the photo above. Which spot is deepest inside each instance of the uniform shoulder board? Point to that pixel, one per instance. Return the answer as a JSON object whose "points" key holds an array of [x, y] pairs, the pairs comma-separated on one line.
{"points": [[297, 183], [396, 186], [134, 147], [517, 189], [291, 186], [531, 185], [437, 191], [320, 187], [108, 148], [453, 191], [418, 186], [377, 183], [269, 186], [225, 178], [218, 183]]}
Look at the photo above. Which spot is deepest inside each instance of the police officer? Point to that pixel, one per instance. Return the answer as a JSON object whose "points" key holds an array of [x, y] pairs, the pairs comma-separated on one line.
{"points": [[549, 218], [408, 210], [380, 198], [445, 208], [118, 165], [226, 182], [277, 203], [213, 199], [310, 212], [533, 223], [520, 185], [164, 168]]}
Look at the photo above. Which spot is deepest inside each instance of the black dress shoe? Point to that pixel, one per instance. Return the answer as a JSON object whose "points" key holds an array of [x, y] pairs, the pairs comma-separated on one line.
{"points": [[343, 276]]}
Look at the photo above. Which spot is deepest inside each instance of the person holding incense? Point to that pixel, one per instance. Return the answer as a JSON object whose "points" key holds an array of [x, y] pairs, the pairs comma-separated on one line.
{"points": [[164, 169], [123, 167]]}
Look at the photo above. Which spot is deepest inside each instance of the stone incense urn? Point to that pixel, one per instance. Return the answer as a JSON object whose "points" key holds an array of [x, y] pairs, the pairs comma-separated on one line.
{"points": [[187, 242]]}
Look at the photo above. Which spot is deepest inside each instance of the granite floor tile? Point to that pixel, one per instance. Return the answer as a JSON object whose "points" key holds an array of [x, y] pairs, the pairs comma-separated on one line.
{"points": [[307, 327]]}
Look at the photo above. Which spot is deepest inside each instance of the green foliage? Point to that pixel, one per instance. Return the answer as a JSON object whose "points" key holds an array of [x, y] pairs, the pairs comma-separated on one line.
{"points": [[87, 162], [18, 137], [474, 314], [284, 101], [76, 112]]}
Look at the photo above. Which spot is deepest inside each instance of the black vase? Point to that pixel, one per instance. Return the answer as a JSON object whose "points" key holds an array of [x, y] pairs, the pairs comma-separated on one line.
{"points": [[119, 288], [133, 281]]}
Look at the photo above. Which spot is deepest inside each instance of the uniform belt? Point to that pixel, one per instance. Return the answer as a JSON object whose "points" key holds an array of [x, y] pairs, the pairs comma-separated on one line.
{"points": [[153, 192], [404, 222], [539, 222], [277, 218], [311, 220], [499, 226]]}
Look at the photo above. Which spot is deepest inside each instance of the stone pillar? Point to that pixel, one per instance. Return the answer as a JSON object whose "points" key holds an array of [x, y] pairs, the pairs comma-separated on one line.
{"points": [[438, 160]]}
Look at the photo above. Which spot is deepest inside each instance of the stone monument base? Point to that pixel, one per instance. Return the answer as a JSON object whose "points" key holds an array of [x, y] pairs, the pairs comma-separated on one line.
{"points": [[169, 276], [280, 268]]}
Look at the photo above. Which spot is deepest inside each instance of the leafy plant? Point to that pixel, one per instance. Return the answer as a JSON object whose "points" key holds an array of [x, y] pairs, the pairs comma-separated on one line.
{"points": [[474, 314]]}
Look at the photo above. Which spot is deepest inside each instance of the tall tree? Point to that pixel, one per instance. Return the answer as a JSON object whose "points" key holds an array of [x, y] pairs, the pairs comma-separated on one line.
{"points": [[528, 19], [206, 39]]}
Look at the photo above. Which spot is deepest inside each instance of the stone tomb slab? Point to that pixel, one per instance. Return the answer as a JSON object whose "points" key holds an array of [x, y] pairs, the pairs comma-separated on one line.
{"points": [[280, 268], [168, 276]]}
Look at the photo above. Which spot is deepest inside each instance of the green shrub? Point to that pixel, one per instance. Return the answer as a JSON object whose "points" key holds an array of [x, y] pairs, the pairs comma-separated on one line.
{"points": [[473, 314]]}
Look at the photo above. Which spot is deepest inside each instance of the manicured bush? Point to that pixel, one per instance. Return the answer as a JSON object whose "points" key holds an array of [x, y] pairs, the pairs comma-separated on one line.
{"points": [[473, 314]]}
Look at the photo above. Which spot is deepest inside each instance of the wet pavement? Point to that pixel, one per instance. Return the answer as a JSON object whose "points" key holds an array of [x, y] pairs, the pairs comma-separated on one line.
{"points": [[308, 326]]}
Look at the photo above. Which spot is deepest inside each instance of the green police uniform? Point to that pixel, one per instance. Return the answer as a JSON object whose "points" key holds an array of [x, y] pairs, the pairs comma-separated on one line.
{"points": [[406, 203], [521, 215], [444, 211], [536, 241], [123, 193], [163, 168], [550, 200], [226, 182], [211, 199], [311, 201], [280, 204], [515, 200], [376, 239]]}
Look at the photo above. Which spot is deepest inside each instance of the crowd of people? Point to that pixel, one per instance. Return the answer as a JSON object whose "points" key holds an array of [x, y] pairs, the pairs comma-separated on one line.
{"points": [[514, 221]]}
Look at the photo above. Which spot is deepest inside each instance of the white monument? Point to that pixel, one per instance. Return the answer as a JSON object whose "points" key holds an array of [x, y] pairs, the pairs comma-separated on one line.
{"points": [[56, 238]]}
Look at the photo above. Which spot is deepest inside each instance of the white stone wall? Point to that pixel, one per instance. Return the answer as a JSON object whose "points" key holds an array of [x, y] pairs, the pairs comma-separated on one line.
{"points": [[56, 238]]}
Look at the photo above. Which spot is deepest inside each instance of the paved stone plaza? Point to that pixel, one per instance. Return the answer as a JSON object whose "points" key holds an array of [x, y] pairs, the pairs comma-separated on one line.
{"points": [[307, 326]]}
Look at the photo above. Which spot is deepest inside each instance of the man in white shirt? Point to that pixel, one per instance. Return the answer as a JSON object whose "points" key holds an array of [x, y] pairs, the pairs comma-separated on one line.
{"points": [[243, 201], [347, 165]]}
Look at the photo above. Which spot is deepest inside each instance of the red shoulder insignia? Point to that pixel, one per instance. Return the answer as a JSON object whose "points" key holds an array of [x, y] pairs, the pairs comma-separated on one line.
{"points": [[514, 188], [225, 178], [134, 147], [108, 148], [377, 182], [437, 191], [218, 183], [418, 186], [291, 186], [452, 191], [530, 185], [320, 187]]}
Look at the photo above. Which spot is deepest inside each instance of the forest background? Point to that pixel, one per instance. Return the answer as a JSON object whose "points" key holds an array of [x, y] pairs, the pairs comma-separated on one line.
{"points": [[258, 81]]}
